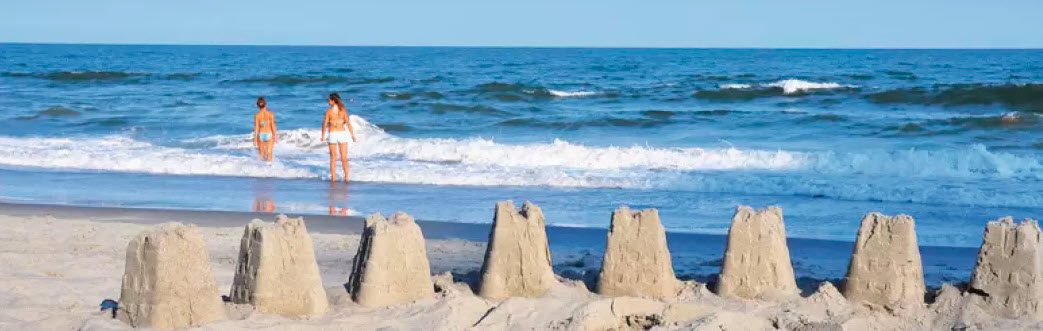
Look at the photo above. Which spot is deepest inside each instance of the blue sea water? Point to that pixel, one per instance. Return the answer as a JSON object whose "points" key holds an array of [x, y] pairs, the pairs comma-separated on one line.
{"points": [[951, 137]]}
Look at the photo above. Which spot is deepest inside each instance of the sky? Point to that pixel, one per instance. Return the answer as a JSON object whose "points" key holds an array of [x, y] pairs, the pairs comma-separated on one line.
{"points": [[551, 23]]}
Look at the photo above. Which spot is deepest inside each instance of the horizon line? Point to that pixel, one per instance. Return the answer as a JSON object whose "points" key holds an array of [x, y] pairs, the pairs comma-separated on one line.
{"points": [[518, 46]]}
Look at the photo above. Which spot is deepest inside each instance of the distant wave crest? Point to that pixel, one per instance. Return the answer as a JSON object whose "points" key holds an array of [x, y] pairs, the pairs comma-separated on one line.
{"points": [[100, 76], [317, 80], [1021, 97], [785, 87]]}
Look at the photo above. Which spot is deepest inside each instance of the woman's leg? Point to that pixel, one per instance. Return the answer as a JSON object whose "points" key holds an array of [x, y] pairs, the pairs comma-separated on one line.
{"points": [[333, 162], [269, 149], [344, 159]]}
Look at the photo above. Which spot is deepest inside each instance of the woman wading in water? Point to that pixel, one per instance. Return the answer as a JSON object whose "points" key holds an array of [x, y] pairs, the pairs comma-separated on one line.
{"points": [[337, 121], [264, 130]]}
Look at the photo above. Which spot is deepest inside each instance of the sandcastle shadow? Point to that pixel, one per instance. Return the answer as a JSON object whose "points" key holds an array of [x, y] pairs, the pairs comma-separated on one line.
{"points": [[473, 279], [583, 268]]}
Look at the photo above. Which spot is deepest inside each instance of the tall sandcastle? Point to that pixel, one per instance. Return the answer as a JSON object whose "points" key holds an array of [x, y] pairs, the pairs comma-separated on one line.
{"points": [[167, 281], [517, 259], [276, 272], [1008, 278], [757, 260], [391, 264], [637, 262], [885, 267]]}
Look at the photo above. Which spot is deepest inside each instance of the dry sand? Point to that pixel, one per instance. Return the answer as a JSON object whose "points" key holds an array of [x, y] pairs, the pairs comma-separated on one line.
{"points": [[54, 273]]}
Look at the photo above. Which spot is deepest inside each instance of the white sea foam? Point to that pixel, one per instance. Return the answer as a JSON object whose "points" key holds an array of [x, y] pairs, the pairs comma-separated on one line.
{"points": [[123, 154], [375, 143], [734, 86], [889, 175], [574, 94], [790, 86]]}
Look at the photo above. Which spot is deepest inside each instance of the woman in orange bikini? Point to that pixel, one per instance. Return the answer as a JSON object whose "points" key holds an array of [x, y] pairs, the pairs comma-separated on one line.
{"points": [[264, 130], [337, 121]]}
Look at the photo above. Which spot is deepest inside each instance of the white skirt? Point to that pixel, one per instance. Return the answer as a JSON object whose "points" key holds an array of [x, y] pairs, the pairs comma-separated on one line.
{"points": [[338, 137]]}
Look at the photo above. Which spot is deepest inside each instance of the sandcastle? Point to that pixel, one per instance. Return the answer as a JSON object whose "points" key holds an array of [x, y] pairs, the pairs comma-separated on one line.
{"points": [[637, 262], [391, 264], [1008, 278], [885, 267], [167, 282], [517, 258], [756, 260], [277, 272]]}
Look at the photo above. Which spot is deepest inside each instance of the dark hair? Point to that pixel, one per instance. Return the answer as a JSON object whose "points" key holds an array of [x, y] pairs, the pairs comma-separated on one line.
{"points": [[261, 102], [336, 99]]}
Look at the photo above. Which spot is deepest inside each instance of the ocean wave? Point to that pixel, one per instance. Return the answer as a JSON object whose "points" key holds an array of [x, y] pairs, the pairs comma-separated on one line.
{"points": [[734, 86], [445, 108], [573, 94], [52, 112], [123, 154], [598, 122], [1021, 97], [973, 162], [792, 86], [375, 142], [901, 75], [99, 76], [885, 175], [410, 95], [519, 92], [1007, 121], [1004, 121], [313, 80], [785, 87]]}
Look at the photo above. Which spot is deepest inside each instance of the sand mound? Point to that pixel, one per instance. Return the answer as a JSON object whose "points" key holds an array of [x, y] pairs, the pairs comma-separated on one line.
{"points": [[167, 282], [391, 264], [517, 259], [757, 259], [885, 267], [1008, 278], [277, 272], [637, 262]]}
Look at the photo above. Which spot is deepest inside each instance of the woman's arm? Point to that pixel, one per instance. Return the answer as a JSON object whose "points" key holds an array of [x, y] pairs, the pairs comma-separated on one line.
{"points": [[325, 122], [347, 121], [275, 133], [257, 128]]}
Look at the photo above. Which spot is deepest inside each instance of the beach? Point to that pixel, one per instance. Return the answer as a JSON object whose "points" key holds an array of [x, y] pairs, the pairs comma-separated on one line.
{"points": [[61, 262], [101, 143]]}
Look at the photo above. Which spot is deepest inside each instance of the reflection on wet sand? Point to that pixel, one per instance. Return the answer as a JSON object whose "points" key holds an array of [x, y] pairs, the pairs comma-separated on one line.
{"points": [[337, 199], [263, 191]]}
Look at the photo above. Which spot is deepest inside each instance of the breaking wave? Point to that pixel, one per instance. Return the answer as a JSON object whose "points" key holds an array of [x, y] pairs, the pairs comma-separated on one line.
{"points": [[786, 87], [519, 92], [886, 175]]}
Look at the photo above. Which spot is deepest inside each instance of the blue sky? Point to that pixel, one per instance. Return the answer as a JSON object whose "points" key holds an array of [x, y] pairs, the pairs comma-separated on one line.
{"points": [[604, 23]]}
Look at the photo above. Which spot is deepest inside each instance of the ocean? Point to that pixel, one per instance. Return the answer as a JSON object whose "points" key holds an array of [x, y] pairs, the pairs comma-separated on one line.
{"points": [[951, 137]]}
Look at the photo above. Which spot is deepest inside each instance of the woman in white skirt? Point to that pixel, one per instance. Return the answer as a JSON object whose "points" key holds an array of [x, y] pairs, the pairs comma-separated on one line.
{"points": [[340, 130]]}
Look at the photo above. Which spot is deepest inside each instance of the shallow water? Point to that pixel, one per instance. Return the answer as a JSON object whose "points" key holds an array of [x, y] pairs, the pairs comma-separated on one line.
{"points": [[951, 137]]}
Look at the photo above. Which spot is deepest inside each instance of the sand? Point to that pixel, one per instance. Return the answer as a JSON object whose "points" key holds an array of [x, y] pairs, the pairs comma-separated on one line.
{"points": [[56, 271]]}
